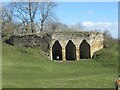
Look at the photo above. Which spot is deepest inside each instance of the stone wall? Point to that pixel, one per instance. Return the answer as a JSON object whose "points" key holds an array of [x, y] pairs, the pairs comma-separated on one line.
{"points": [[46, 41], [31, 40], [94, 39]]}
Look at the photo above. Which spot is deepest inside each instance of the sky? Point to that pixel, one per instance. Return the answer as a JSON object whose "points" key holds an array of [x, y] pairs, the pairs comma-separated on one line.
{"points": [[92, 15]]}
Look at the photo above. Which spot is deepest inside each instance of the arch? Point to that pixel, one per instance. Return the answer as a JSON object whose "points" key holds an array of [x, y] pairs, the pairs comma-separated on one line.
{"points": [[57, 51], [84, 50], [70, 51]]}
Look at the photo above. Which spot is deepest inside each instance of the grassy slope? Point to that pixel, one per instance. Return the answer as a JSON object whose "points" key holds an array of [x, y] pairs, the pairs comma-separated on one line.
{"points": [[28, 67]]}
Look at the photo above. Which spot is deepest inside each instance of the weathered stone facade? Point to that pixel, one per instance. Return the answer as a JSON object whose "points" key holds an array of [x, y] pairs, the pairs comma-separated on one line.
{"points": [[56, 44]]}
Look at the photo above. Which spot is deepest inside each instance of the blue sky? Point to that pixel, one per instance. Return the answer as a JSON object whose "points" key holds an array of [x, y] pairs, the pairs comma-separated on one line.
{"points": [[93, 15], [90, 11]]}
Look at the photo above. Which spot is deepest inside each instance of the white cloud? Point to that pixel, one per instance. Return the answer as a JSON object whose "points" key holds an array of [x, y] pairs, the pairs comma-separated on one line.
{"points": [[116, 10], [111, 26], [89, 24], [90, 12]]}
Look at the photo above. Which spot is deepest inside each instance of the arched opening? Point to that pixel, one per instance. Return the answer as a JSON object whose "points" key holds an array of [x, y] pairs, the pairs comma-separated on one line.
{"points": [[70, 51], [57, 51], [84, 50]]}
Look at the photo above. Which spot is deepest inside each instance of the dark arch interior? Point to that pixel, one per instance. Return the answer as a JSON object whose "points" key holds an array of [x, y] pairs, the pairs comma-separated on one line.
{"points": [[84, 50], [70, 51], [57, 51]]}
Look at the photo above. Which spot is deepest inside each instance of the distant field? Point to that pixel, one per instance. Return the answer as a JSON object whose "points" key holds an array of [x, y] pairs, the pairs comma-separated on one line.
{"points": [[28, 67]]}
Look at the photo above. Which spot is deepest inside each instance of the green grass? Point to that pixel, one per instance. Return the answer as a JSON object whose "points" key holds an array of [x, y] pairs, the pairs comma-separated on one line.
{"points": [[29, 67]]}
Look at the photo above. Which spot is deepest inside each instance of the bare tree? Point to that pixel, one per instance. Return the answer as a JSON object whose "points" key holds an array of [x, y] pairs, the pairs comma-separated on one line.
{"points": [[46, 12], [20, 12], [55, 26], [7, 14], [33, 6], [107, 38], [79, 27], [8, 25], [26, 12], [76, 27], [51, 26]]}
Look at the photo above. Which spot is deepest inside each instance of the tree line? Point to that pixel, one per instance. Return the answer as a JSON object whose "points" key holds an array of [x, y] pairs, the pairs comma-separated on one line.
{"points": [[26, 15], [31, 17]]}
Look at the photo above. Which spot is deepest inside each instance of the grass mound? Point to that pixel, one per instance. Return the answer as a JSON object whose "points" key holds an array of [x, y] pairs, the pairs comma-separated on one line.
{"points": [[29, 67], [108, 56]]}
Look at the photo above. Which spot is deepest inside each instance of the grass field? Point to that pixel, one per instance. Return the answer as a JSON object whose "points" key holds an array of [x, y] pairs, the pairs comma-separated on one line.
{"points": [[30, 68]]}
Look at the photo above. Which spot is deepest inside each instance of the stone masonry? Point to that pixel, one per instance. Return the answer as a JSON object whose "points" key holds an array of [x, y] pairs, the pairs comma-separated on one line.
{"points": [[56, 44]]}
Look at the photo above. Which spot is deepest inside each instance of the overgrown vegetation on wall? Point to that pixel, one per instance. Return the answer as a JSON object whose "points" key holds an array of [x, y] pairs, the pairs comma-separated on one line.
{"points": [[108, 56]]}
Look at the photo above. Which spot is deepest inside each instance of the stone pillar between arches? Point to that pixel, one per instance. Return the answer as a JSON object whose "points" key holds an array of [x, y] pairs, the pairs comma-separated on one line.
{"points": [[63, 54], [77, 53], [51, 54]]}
